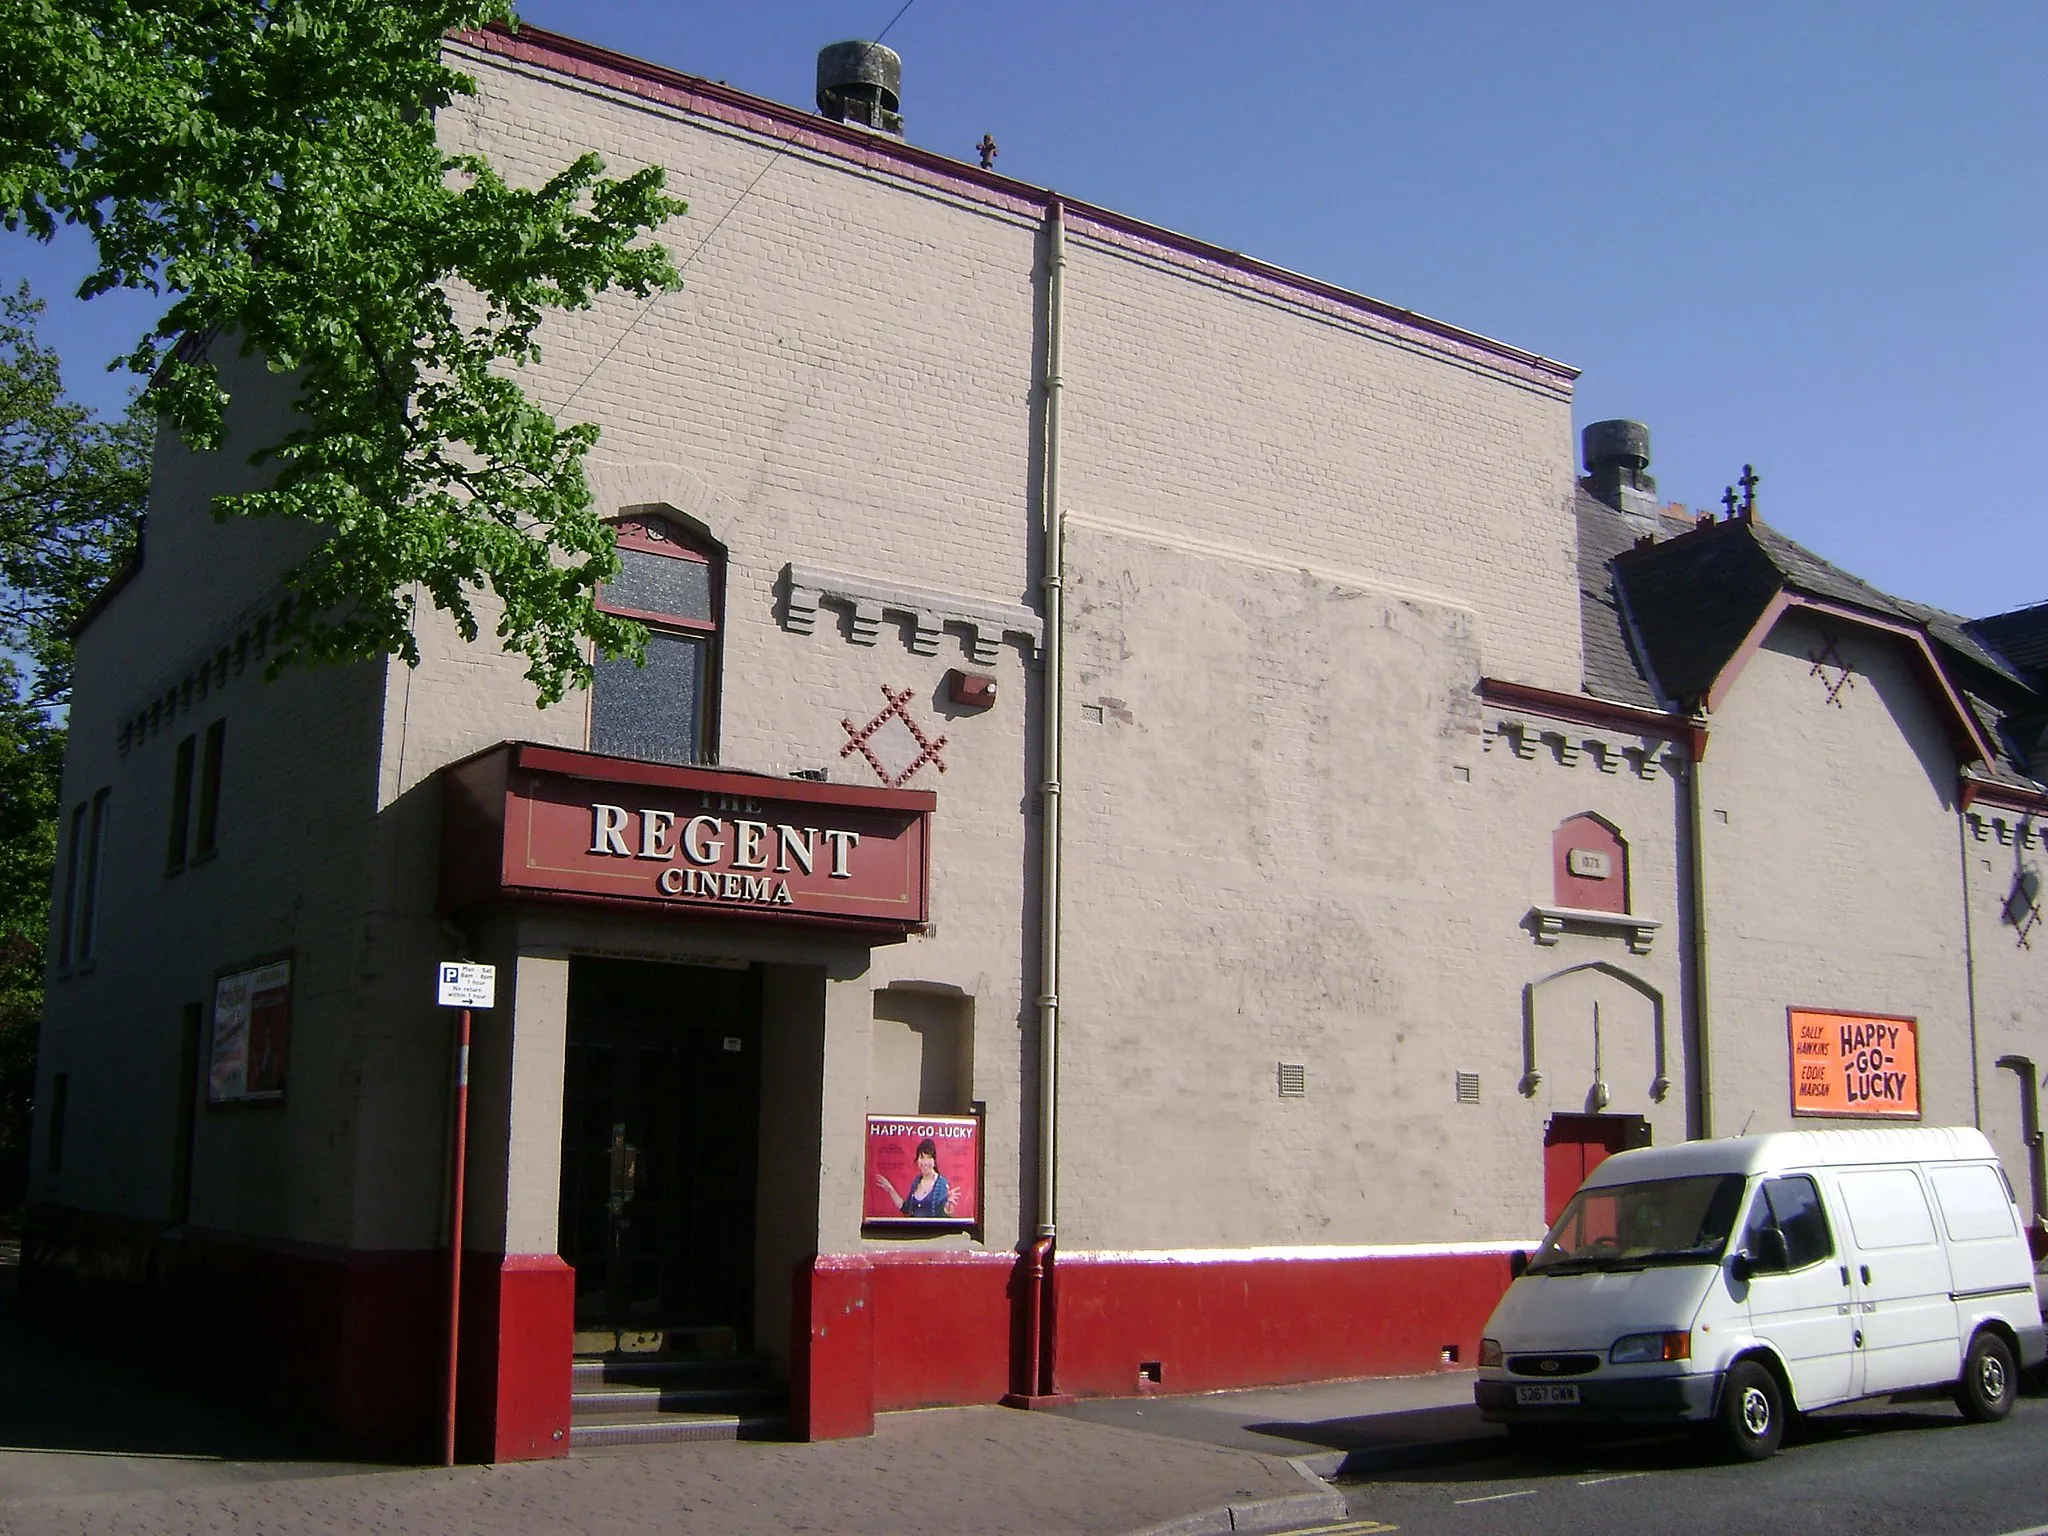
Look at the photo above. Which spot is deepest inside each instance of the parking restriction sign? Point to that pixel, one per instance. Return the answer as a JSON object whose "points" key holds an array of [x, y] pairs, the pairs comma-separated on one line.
{"points": [[466, 986]]}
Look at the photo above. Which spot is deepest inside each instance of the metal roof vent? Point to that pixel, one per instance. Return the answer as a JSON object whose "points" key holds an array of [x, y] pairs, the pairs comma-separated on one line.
{"points": [[1617, 456], [861, 83]]}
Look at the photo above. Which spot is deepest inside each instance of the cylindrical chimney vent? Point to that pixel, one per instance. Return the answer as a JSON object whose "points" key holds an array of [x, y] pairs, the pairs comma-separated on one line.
{"points": [[861, 83], [1622, 444], [1617, 456]]}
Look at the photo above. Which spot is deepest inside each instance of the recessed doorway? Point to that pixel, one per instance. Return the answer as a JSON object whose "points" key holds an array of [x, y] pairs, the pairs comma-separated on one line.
{"points": [[660, 1141]]}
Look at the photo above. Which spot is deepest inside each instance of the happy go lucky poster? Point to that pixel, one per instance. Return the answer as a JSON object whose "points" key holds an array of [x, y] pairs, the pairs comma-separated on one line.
{"points": [[923, 1170]]}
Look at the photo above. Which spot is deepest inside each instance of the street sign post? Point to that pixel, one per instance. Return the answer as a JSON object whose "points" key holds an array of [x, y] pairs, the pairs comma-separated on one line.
{"points": [[459, 984], [462, 985]]}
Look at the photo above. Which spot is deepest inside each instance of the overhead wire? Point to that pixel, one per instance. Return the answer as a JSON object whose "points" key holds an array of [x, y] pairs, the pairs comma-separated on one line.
{"points": [[647, 308]]}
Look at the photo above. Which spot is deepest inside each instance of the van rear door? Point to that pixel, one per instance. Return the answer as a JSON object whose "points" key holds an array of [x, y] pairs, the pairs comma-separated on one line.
{"points": [[1905, 1314], [1987, 1256]]}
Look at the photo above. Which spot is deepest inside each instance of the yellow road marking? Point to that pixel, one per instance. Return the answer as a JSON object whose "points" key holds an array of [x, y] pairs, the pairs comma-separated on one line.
{"points": [[1348, 1528]]}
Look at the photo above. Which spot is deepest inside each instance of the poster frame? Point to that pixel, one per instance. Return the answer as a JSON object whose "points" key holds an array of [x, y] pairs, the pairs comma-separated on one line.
{"points": [[214, 1099], [975, 1121], [1793, 1011]]}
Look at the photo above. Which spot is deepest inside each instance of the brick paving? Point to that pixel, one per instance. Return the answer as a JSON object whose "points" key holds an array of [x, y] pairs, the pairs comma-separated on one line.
{"points": [[986, 1470]]}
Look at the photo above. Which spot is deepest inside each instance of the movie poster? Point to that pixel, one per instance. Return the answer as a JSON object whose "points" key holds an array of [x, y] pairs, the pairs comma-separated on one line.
{"points": [[1854, 1064], [923, 1170], [252, 1018]]}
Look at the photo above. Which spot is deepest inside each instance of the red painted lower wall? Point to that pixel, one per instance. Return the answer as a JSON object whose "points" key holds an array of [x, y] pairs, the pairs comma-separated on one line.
{"points": [[943, 1327], [832, 1348], [353, 1340], [518, 1339], [1218, 1323], [909, 1330], [348, 1338]]}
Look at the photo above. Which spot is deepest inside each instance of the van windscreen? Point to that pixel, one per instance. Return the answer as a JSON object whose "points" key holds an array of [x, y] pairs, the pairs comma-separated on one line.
{"points": [[1632, 1226]]}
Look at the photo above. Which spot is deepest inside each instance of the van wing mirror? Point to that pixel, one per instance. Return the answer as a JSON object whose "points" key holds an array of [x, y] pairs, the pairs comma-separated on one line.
{"points": [[1518, 1264], [1741, 1265]]}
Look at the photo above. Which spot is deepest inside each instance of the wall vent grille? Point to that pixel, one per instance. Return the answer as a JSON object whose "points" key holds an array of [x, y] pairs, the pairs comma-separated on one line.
{"points": [[1468, 1087], [1293, 1080]]}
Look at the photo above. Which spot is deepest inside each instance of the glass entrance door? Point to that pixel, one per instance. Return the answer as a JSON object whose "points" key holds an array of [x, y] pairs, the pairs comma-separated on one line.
{"points": [[660, 1136]]}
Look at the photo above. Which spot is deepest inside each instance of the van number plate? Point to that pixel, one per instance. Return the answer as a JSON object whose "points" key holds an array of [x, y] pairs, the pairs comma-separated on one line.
{"points": [[1546, 1395]]}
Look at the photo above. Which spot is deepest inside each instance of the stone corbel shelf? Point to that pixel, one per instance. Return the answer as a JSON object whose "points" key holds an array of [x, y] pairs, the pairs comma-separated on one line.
{"points": [[1551, 923], [930, 612]]}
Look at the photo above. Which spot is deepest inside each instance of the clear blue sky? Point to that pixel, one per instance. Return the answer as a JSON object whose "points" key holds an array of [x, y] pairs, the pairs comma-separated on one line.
{"points": [[1810, 236]]}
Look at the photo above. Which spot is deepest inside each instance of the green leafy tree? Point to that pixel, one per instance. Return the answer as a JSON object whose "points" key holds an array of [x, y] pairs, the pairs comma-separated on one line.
{"points": [[272, 168], [31, 765], [72, 490]]}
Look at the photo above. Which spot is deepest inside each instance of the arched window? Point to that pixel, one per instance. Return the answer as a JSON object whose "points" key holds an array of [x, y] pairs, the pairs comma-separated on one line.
{"points": [[1590, 862], [674, 583]]}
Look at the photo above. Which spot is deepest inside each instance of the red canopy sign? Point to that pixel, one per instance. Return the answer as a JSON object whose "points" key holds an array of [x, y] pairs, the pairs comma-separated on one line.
{"points": [[547, 823]]}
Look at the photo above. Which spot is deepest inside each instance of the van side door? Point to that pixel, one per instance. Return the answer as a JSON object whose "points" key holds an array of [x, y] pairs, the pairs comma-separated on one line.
{"points": [[1799, 1293], [1905, 1315]]}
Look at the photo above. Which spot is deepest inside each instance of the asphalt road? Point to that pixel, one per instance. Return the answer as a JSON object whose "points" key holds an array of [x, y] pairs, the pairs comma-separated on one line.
{"points": [[1881, 1469]]}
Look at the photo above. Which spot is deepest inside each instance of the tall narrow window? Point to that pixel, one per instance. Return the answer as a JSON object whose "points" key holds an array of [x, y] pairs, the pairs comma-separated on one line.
{"points": [[666, 711], [181, 807], [74, 860], [85, 930], [187, 1122], [206, 825], [60, 1102]]}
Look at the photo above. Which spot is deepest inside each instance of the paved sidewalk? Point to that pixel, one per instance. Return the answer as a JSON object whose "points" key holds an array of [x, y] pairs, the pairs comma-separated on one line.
{"points": [[1337, 1429], [987, 1470]]}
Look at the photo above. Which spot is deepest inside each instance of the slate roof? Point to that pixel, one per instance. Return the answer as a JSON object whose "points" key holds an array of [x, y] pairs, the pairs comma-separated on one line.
{"points": [[2021, 637], [1661, 620], [1693, 598], [1611, 670]]}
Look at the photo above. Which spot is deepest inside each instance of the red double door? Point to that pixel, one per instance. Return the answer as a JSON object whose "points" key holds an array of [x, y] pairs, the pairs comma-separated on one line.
{"points": [[1574, 1145]]}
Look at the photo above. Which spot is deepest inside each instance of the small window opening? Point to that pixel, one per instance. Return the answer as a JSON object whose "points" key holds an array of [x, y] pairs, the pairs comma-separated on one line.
{"points": [[60, 1101], [181, 806], [206, 831], [84, 936], [74, 860]]}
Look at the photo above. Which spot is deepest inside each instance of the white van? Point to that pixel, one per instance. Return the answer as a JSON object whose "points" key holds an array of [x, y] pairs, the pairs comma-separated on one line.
{"points": [[1728, 1282]]}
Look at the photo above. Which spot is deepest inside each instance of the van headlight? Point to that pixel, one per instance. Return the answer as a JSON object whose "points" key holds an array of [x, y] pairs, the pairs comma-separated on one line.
{"points": [[1637, 1348], [1489, 1352]]}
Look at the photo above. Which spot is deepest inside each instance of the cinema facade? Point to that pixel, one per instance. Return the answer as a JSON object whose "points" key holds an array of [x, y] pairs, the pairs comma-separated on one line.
{"points": [[1164, 827]]}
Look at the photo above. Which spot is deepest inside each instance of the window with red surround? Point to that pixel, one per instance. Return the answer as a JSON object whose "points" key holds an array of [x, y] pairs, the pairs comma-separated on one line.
{"points": [[672, 581]]}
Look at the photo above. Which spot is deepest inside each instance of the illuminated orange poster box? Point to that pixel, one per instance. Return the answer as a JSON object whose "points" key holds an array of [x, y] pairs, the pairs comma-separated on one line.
{"points": [[1859, 1065]]}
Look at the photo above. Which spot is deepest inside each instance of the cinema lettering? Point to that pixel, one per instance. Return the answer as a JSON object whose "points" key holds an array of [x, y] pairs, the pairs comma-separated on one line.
{"points": [[524, 822], [1855, 1065], [712, 858]]}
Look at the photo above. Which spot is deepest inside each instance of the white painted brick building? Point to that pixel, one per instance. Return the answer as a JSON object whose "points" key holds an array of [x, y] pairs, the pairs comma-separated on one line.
{"points": [[1393, 883]]}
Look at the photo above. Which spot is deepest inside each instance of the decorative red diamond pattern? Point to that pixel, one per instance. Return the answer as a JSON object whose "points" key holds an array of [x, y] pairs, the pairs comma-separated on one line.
{"points": [[1833, 672], [893, 743]]}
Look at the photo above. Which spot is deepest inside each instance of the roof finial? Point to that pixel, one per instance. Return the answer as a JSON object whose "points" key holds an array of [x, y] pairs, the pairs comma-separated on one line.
{"points": [[1749, 482], [988, 151], [1728, 502]]}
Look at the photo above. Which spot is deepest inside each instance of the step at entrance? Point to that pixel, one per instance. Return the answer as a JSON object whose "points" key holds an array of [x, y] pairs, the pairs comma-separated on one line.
{"points": [[650, 1399]]}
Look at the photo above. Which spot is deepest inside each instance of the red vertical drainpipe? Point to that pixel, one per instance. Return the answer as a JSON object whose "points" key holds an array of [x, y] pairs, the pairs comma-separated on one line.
{"points": [[461, 1159]]}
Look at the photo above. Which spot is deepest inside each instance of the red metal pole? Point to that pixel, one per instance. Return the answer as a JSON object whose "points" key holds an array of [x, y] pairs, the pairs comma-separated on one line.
{"points": [[461, 1161]]}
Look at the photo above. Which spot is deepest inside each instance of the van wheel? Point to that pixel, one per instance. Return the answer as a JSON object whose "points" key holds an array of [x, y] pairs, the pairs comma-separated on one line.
{"points": [[1752, 1412], [1989, 1380]]}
